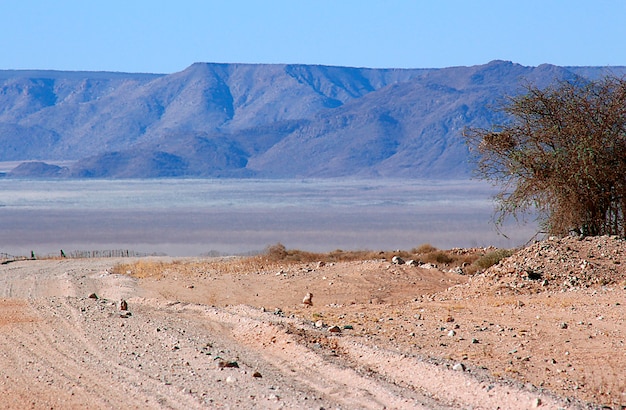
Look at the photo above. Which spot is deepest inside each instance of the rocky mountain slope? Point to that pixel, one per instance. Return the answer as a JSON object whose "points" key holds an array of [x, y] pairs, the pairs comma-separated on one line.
{"points": [[255, 120]]}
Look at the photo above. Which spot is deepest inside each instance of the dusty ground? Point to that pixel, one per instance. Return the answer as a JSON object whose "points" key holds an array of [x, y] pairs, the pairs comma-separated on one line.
{"points": [[542, 329]]}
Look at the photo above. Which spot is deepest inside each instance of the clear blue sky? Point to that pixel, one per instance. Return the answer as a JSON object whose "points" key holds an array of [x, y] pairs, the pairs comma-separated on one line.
{"points": [[167, 36]]}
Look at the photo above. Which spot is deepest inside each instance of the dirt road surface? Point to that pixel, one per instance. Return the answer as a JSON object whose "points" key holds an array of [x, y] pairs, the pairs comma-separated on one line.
{"points": [[378, 336]]}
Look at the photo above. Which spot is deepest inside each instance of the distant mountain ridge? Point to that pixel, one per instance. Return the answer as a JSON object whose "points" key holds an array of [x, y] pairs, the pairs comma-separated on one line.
{"points": [[256, 120]]}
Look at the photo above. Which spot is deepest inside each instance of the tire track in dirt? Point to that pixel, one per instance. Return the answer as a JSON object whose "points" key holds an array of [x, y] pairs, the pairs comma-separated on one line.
{"points": [[362, 375], [56, 351], [271, 337]]}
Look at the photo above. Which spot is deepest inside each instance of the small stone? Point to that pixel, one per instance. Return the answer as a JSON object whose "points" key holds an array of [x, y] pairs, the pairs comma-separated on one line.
{"points": [[273, 397], [536, 402], [348, 327], [257, 375], [412, 262], [224, 364], [123, 305], [563, 325], [460, 367], [474, 341], [451, 333], [320, 264], [231, 379], [334, 329], [93, 296], [308, 299], [319, 324], [449, 319], [428, 266], [396, 260]]}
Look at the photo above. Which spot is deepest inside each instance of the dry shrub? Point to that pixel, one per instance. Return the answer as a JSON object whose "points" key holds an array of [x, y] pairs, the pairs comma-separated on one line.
{"points": [[424, 248], [144, 268], [278, 252], [439, 257], [490, 259], [277, 257]]}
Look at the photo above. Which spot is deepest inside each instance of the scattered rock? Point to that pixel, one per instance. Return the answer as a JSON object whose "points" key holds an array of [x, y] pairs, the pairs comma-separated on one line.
{"points": [[396, 260], [93, 296], [319, 324], [563, 325], [224, 364], [412, 262], [321, 264], [123, 305], [273, 397], [458, 270], [257, 375], [557, 264], [334, 329], [451, 333], [459, 367], [308, 299]]}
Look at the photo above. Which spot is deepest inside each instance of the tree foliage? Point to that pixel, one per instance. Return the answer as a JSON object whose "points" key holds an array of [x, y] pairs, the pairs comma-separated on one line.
{"points": [[563, 153]]}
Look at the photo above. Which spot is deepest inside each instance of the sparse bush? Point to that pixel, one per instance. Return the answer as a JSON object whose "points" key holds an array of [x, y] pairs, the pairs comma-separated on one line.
{"points": [[276, 252], [438, 257], [424, 248], [491, 259]]}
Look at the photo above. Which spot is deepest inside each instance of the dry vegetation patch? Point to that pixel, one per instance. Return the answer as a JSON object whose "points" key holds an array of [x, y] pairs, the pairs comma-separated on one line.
{"points": [[278, 257]]}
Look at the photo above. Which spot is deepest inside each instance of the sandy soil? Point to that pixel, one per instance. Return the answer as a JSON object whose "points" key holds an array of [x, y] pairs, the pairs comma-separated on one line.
{"points": [[542, 329]]}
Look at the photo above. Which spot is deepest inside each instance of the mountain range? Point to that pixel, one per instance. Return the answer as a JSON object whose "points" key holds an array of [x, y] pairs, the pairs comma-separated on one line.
{"points": [[257, 120]]}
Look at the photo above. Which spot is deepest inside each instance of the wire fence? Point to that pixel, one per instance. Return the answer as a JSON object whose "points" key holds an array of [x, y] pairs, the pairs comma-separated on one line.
{"points": [[111, 253], [79, 254]]}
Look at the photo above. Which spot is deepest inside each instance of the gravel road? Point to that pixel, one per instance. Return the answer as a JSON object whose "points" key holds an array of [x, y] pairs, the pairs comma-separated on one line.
{"points": [[62, 348]]}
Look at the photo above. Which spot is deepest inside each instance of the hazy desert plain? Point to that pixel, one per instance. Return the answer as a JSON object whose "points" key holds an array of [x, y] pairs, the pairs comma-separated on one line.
{"points": [[191, 217]]}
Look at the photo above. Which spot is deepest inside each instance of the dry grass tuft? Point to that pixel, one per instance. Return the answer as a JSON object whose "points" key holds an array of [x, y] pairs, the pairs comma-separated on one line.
{"points": [[424, 248], [490, 259], [277, 257]]}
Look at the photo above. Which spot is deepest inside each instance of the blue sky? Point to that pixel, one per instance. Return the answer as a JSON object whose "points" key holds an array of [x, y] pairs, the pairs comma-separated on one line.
{"points": [[168, 36]]}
